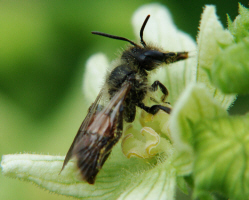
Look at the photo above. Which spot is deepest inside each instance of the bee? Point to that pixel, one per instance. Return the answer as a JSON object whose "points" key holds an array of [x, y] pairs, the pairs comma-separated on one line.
{"points": [[126, 86]]}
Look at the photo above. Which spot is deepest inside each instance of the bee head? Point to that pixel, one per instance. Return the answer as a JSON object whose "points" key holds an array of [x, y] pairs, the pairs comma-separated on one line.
{"points": [[149, 59]]}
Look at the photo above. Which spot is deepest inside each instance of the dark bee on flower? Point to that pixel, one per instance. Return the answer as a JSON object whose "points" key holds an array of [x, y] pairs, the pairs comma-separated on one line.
{"points": [[126, 86]]}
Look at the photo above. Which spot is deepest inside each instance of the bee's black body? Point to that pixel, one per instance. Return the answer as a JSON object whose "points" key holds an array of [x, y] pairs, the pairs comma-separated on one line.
{"points": [[138, 78], [127, 86], [136, 62]]}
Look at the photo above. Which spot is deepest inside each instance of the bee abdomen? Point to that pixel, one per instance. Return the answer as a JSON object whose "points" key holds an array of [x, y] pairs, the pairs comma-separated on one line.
{"points": [[87, 164], [90, 158]]}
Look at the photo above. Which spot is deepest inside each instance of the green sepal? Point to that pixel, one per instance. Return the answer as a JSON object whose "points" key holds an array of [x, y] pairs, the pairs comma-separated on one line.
{"points": [[182, 185], [222, 156], [230, 72], [239, 27], [203, 195], [194, 105], [212, 39]]}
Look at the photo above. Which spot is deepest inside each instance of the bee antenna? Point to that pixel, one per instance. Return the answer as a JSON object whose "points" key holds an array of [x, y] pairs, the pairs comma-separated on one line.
{"points": [[142, 30], [114, 37]]}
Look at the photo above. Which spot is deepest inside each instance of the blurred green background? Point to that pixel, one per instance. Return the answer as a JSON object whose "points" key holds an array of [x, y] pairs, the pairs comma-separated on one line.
{"points": [[43, 49]]}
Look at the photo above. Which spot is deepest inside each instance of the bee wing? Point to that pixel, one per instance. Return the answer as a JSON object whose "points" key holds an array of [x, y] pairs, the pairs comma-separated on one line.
{"points": [[89, 117], [99, 132], [101, 135]]}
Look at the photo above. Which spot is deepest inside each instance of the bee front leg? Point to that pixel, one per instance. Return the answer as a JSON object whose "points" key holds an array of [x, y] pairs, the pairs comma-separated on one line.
{"points": [[164, 90], [154, 109]]}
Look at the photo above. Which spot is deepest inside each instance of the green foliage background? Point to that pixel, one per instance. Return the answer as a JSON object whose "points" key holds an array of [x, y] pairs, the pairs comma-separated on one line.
{"points": [[43, 48]]}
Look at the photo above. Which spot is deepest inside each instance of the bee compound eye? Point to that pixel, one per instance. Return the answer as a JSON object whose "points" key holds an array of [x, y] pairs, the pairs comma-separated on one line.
{"points": [[155, 55]]}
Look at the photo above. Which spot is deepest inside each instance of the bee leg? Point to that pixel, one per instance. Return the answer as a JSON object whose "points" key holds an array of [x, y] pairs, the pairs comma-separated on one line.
{"points": [[154, 109], [164, 90]]}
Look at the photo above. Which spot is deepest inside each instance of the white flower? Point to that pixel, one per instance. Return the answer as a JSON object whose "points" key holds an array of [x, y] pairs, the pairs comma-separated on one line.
{"points": [[134, 178]]}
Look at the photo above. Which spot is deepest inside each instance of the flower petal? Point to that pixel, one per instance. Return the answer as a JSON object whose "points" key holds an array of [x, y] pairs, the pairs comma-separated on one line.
{"points": [[160, 28], [93, 80], [160, 31], [144, 144], [157, 183], [158, 122], [41, 169], [119, 179]]}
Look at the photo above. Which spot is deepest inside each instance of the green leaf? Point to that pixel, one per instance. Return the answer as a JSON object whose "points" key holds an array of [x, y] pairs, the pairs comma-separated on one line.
{"points": [[222, 156], [231, 68]]}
